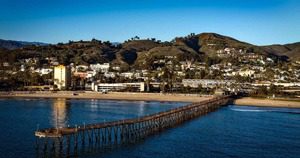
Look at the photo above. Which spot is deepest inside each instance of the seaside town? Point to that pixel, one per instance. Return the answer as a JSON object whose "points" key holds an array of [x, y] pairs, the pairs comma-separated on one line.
{"points": [[232, 70], [150, 78]]}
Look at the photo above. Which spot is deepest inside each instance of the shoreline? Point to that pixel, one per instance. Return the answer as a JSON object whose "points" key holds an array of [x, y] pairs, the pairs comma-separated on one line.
{"points": [[114, 96], [264, 102], [245, 101]]}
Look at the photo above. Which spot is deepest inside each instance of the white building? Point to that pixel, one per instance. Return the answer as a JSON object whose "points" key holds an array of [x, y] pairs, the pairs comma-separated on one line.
{"points": [[6, 64], [62, 77], [105, 87], [91, 74], [22, 68], [100, 67], [131, 74], [292, 84], [110, 74], [43, 71], [206, 83], [116, 68], [246, 73]]}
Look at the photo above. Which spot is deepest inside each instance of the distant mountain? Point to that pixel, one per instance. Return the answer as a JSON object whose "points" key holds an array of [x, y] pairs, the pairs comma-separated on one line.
{"points": [[292, 51], [9, 44]]}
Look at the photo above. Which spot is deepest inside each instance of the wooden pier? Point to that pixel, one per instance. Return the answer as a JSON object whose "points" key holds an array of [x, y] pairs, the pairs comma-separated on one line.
{"points": [[70, 141]]}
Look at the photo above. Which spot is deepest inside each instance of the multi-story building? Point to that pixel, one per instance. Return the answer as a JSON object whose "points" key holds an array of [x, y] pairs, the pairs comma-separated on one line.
{"points": [[105, 87], [210, 83], [62, 77], [100, 67]]}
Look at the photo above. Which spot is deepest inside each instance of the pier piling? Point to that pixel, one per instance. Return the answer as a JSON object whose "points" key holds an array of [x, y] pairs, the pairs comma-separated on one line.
{"points": [[71, 140]]}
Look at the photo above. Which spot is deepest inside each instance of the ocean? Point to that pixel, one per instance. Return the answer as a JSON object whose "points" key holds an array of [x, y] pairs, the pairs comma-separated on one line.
{"points": [[232, 131]]}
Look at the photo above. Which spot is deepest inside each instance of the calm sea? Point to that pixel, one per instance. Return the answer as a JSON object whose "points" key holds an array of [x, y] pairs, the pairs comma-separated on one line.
{"points": [[232, 131]]}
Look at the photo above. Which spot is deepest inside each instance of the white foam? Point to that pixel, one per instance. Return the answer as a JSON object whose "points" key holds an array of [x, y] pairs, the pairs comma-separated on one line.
{"points": [[249, 110]]}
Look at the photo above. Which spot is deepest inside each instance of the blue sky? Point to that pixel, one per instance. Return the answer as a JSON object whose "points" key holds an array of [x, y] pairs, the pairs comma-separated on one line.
{"points": [[259, 22]]}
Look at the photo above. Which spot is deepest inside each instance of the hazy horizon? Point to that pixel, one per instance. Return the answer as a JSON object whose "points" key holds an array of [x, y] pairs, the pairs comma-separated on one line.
{"points": [[260, 22]]}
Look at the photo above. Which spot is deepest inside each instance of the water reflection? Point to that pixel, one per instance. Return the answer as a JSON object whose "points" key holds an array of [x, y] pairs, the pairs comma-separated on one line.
{"points": [[141, 111], [60, 110], [94, 105]]}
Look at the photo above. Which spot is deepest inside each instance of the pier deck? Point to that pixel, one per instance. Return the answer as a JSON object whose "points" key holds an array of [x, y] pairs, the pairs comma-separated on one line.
{"points": [[66, 141]]}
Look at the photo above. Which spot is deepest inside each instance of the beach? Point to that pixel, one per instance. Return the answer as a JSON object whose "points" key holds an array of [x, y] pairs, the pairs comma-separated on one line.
{"points": [[248, 101], [111, 96], [267, 102]]}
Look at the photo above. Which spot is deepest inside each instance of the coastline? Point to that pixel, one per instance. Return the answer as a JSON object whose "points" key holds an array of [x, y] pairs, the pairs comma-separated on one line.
{"points": [[264, 102], [245, 101], [113, 96]]}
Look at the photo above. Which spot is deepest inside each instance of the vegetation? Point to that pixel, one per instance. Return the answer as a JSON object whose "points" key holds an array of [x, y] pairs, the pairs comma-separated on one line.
{"points": [[160, 59]]}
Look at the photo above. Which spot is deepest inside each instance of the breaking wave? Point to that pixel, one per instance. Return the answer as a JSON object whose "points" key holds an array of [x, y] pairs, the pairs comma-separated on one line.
{"points": [[263, 109]]}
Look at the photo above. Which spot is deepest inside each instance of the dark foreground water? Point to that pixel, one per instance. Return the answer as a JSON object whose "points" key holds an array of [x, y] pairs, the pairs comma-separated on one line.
{"points": [[232, 131]]}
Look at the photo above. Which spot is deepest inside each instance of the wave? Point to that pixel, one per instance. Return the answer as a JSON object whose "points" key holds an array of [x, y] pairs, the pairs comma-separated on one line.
{"points": [[263, 109], [248, 110]]}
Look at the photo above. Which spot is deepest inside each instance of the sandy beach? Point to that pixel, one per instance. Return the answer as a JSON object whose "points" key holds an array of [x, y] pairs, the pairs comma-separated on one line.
{"points": [[267, 102], [112, 96], [150, 97]]}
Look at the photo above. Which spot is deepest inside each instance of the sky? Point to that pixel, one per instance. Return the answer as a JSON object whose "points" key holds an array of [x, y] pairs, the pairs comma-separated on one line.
{"points": [[260, 22]]}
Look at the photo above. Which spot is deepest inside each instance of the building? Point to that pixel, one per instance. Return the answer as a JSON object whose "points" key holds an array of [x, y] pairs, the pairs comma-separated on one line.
{"points": [[6, 64], [129, 74], [268, 84], [110, 74], [22, 68], [219, 92], [246, 73], [116, 68], [85, 75], [43, 71], [206, 83], [39, 88], [100, 67], [62, 77], [105, 87]]}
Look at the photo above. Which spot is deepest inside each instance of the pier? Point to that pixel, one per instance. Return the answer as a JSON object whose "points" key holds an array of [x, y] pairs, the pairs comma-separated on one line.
{"points": [[71, 141]]}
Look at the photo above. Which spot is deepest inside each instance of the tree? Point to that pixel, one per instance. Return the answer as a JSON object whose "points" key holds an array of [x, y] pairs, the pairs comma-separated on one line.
{"points": [[199, 88], [262, 90], [136, 37], [273, 89], [202, 74], [108, 43], [189, 74], [212, 60]]}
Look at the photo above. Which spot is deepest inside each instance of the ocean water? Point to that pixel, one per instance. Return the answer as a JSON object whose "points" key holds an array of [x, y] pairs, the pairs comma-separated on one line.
{"points": [[232, 131]]}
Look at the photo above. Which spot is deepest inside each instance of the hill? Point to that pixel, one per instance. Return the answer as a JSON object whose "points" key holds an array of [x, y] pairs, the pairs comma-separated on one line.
{"points": [[9, 44], [130, 50], [292, 51], [81, 52], [134, 52]]}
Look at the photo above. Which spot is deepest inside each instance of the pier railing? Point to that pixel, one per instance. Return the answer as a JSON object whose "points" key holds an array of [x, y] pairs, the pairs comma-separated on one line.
{"points": [[63, 142]]}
